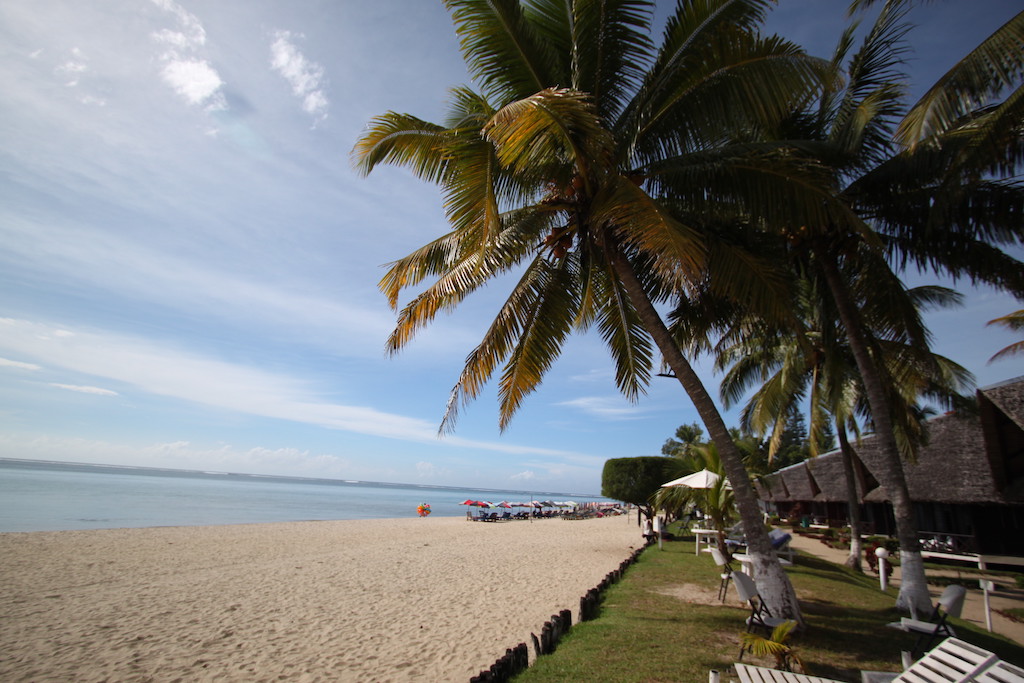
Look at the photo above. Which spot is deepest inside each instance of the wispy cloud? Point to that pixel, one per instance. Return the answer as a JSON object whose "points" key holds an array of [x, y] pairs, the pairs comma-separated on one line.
{"points": [[191, 76], [180, 455], [604, 407], [167, 371], [72, 69], [6, 363], [305, 77], [119, 266], [84, 389]]}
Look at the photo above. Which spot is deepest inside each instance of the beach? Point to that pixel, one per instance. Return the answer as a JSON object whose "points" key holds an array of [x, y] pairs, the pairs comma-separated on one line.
{"points": [[416, 599]]}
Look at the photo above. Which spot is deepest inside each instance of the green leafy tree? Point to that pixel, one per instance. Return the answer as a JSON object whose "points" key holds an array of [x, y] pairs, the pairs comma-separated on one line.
{"points": [[635, 480], [688, 436], [588, 165]]}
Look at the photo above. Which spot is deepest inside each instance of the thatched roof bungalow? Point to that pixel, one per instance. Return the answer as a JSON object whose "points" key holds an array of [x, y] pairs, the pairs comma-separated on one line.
{"points": [[967, 483]]}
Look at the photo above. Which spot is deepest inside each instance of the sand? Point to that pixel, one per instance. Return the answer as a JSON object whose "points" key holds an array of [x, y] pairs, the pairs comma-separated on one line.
{"points": [[434, 599]]}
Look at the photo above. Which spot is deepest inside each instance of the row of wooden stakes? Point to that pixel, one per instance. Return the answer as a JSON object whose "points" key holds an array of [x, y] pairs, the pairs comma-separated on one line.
{"points": [[517, 659]]}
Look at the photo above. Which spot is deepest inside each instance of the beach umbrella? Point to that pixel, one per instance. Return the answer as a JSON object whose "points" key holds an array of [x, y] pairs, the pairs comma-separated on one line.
{"points": [[704, 479], [504, 504], [468, 502]]}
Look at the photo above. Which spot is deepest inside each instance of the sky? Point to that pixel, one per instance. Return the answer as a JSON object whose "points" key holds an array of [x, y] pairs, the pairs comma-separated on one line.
{"points": [[189, 262]]}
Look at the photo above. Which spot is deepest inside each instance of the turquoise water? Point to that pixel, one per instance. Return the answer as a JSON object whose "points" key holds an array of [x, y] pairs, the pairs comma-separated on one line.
{"points": [[46, 496]]}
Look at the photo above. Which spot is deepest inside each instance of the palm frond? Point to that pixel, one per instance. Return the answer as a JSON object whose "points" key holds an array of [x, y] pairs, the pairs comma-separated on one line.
{"points": [[552, 130], [1012, 321], [502, 50], [527, 331], [403, 140], [993, 66]]}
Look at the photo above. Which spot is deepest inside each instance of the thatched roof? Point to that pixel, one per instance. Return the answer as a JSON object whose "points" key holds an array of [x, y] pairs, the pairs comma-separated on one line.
{"points": [[969, 459], [1008, 398]]}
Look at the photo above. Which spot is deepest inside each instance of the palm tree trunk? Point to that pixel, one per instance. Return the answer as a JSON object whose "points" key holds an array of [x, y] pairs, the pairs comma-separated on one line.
{"points": [[846, 450], [773, 585], [913, 595]]}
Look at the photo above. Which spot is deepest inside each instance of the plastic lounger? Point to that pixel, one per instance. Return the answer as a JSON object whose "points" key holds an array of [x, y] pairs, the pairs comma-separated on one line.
{"points": [[952, 661], [1001, 672]]}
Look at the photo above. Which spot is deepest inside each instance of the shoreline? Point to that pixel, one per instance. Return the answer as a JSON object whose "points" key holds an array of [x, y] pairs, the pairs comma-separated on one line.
{"points": [[381, 599]]}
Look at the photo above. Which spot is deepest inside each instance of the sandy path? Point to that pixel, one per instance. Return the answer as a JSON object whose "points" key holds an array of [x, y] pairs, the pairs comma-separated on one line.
{"points": [[435, 599]]}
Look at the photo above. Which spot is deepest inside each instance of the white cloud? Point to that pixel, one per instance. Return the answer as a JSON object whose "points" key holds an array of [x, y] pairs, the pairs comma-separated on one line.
{"points": [[191, 77], [166, 371], [607, 408], [524, 476], [177, 455], [304, 76], [73, 68], [84, 390], [196, 81], [192, 34], [5, 363], [161, 279]]}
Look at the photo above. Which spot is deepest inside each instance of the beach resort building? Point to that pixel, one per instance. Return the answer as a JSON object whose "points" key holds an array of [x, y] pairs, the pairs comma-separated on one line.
{"points": [[967, 483]]}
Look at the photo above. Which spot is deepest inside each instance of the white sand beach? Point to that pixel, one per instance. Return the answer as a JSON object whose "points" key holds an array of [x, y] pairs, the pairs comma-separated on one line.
{"points": [[431, 599]]}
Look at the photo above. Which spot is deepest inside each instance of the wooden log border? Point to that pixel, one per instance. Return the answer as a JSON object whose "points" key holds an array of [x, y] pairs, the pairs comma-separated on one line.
{"points": [[517, 659]]}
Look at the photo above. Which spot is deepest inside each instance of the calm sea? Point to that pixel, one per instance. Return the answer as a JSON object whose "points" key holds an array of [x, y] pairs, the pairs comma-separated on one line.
{"points": [[54, 496]]}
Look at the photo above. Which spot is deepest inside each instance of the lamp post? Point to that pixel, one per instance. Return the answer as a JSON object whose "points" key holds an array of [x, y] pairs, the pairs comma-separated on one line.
{"points": [[882, 554]]}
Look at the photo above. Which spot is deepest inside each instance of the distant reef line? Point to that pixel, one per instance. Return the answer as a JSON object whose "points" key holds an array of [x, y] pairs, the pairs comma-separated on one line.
{"points": [[167, 471]]}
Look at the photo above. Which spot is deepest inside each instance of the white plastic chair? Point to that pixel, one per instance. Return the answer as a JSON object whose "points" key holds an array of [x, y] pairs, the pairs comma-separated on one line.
{"points": [[949, 604], [760, 616], [726, 572]]}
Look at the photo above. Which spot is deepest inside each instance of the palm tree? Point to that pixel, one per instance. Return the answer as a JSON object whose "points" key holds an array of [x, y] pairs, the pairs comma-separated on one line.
{"points": [[716, 502], [944, 198], [688, 437], [569, 169], [816, 366], [1013, 321]]}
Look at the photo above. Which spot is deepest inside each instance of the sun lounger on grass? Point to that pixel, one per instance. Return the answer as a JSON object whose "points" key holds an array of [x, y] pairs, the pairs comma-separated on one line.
{"points": [[951, 661]]}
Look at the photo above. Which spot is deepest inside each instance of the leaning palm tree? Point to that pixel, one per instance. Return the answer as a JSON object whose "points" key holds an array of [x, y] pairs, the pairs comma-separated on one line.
{"points": [[815, 367], [943, 198], [569, 169]]}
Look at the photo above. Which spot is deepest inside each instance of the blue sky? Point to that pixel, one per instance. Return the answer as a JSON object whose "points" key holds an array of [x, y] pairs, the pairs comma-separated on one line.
{"points": [[189, 263]]}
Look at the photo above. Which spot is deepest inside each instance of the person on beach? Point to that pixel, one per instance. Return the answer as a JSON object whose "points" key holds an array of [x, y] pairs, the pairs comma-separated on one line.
{"points": [[647, 531]]}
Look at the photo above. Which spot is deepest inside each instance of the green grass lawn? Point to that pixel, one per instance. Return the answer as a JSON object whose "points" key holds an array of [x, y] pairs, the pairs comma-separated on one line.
{"points": [[662, 622]]}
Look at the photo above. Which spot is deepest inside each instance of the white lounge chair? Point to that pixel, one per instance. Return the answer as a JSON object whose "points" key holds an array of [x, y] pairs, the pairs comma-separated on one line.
{"points": [[1001, 672], [951, 661]]}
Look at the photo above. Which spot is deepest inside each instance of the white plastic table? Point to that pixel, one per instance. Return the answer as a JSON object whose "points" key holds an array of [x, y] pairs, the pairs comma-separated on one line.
{"points": [[705, 536]]}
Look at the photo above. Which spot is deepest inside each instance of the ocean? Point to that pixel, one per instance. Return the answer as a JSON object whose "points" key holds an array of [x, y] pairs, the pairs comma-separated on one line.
{"points": [[62, 496]]}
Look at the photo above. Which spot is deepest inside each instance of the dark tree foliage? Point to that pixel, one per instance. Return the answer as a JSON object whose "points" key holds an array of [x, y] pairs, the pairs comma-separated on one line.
{"points": [[687, 436], [635, 480]]}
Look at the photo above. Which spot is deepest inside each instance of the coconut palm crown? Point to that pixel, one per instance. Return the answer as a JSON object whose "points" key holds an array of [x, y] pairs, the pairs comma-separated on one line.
{"points": [[586, 164]]}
